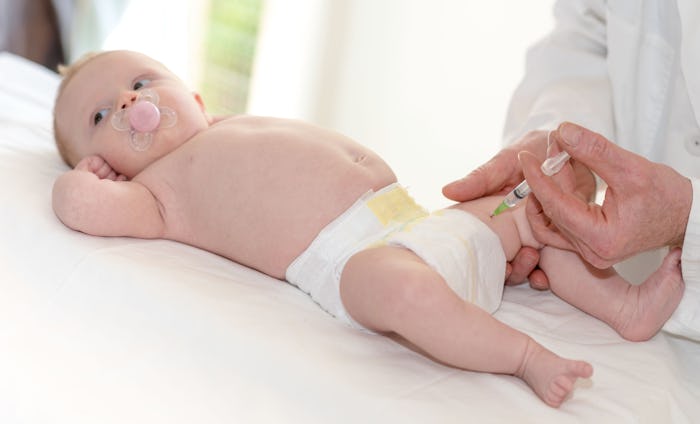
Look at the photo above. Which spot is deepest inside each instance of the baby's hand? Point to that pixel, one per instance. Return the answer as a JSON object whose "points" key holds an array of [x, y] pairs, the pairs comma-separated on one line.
{"points": [[98, 166]]}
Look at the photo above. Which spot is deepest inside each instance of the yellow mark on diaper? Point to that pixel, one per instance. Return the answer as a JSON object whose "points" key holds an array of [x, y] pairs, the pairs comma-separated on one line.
{"points": [[395, 206]]}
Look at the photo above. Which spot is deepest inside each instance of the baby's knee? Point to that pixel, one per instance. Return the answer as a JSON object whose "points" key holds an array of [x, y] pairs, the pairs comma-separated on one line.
{"points": [[400, 283], [420, 290]]}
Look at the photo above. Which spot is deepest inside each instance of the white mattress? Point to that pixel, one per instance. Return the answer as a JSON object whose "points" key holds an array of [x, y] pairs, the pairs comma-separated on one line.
{"points": [[98, 330]]}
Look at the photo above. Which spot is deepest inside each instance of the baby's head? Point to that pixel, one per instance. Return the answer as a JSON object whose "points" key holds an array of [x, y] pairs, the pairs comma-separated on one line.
{"points": [[94, 113]]}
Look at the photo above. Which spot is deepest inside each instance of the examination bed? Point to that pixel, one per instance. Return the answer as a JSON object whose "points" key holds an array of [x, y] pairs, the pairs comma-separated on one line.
{"points": [[119, 330]]}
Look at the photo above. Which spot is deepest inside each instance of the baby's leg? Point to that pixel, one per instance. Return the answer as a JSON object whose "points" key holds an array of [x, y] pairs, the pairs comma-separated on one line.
{"points": [[390, 289], [636, 312]]}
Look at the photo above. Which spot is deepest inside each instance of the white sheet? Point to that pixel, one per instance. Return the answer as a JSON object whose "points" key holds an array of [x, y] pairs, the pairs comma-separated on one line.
{"points": [[96, 330]]}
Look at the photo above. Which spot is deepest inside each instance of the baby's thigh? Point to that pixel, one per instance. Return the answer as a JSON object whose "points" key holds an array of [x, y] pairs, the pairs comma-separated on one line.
{"points": [[527, 238], [384, 285]]}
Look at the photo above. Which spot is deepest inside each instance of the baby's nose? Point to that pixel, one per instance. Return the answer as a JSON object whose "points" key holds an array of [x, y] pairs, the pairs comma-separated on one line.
{"points": [[127, 98]]}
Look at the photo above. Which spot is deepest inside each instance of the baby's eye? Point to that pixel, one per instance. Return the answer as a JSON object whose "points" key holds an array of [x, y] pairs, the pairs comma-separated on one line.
{"points": [[141, 83], [100, 115]]}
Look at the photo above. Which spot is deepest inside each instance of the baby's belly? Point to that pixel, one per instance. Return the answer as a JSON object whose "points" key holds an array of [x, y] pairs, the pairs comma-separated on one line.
{"points": [[266, 223]]}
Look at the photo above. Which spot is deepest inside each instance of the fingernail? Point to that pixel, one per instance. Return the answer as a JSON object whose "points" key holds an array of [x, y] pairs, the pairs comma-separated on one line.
{"points": [[570, 134], [521, 155]]}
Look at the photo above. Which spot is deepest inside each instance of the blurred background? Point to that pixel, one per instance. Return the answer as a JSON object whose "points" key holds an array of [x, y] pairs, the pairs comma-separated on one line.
{"points": [[425, 83]]}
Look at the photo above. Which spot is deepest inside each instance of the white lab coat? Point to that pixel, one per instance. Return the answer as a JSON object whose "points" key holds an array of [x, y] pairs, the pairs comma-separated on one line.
{"points": [[630, 70]]}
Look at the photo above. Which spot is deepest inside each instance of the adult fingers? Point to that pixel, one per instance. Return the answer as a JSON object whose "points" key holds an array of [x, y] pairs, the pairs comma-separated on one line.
{"points": [[489, 178], [605, 158], [546, 232], [555, 204], [579, 221], [538, 280], [524, 262], [542, 227], [500, 174]]}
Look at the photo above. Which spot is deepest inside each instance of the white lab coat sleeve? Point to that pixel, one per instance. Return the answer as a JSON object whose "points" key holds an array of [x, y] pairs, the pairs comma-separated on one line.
{"points": [[685, 321], [566, 77]]}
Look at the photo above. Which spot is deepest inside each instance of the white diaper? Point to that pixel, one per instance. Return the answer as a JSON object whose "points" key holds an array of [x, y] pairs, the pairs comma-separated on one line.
{"points": [[461, 248]]}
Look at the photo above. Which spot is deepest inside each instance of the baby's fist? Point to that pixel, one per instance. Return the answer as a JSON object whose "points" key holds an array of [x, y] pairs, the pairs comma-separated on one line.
{"points": [[98, 166]]}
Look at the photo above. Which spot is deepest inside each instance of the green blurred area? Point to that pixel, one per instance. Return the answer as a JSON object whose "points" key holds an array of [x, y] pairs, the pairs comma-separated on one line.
{"points": [[230, 39]]}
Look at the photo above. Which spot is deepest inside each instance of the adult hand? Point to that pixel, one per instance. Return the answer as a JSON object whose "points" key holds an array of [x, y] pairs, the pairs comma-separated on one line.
{"points": [[646, 204], [499, 176]]}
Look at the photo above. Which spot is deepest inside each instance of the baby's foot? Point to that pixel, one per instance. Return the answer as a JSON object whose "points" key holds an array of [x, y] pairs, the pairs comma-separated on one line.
{"points": [[649, 305], [550, 376]]}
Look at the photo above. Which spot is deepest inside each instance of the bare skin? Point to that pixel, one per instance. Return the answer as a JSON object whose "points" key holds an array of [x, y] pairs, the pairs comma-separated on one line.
{"points": [[411, 299], [646, 204], [497, 177], [258, 191]]}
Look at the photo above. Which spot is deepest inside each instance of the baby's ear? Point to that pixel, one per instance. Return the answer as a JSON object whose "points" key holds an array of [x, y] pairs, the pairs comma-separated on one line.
{"points": [[199, 101]]}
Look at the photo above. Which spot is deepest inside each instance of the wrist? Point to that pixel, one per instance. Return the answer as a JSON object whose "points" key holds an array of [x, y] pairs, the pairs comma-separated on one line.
{"points": [[683, 208], [689, 209]]}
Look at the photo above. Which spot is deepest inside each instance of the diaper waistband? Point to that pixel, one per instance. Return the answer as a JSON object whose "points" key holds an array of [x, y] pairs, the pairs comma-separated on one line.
{"points": [[392, 205]]}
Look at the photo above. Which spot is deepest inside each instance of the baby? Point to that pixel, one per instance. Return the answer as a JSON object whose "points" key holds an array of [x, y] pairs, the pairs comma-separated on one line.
{"points": [[311, 206]]}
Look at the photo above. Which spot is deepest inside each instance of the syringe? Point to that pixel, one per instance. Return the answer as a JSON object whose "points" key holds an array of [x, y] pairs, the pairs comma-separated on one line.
{"points": [[549, 167]]}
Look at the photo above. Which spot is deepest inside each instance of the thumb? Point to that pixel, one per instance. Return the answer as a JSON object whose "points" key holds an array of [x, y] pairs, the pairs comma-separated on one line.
{"points": [[543, 186], [486, 179], [564, 208], [599, 154], [467, 188]]}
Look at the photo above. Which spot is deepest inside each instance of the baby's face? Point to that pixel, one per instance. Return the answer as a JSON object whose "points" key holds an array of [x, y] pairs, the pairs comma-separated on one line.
{"points": [[110, 82]]}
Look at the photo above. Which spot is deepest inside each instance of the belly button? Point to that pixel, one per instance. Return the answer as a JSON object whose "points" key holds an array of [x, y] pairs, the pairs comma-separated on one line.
{"points": [[360, 158]]}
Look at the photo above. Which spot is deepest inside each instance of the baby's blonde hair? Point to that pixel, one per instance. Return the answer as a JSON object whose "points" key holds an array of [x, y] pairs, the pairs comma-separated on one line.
{"points": [[68, 72]]}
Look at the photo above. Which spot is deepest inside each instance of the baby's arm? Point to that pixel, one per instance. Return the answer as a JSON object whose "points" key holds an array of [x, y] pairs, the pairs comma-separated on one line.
{"points": [[93, 199]]}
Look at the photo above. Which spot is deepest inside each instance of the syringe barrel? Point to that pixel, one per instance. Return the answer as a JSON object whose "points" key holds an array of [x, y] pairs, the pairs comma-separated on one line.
{"points": [[519, 193]]}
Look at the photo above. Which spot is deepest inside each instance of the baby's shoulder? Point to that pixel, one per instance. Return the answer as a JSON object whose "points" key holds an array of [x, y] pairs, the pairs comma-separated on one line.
{"points": [[246, 121], [261, 123]]}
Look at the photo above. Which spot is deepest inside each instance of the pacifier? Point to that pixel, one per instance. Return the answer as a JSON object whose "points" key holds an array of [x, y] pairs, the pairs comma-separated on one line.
{"points": [[143, 119]]}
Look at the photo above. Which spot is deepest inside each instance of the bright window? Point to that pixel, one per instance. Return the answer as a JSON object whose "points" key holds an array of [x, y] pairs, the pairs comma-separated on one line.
{"points": [[209, 44], [229, 48]]}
